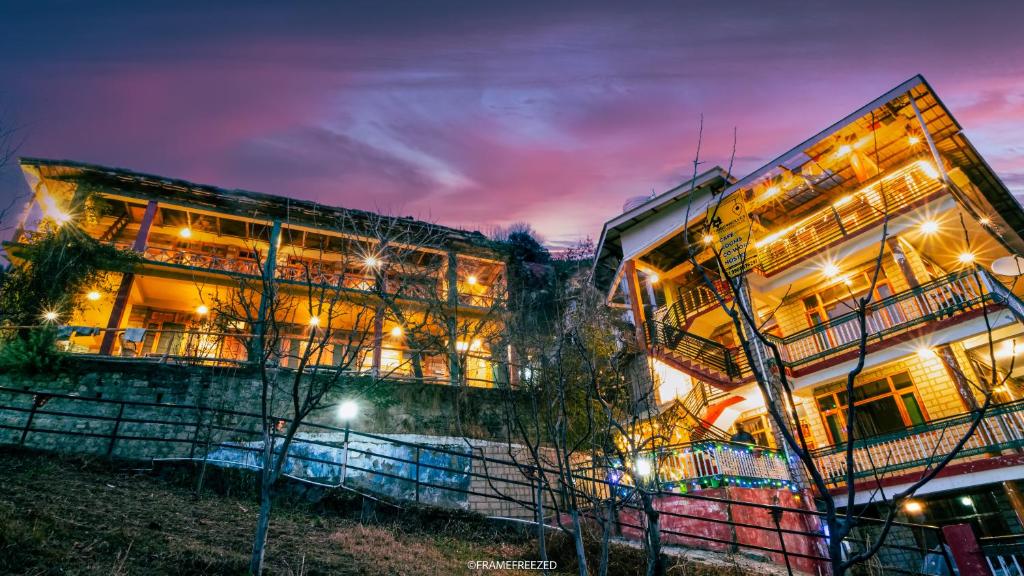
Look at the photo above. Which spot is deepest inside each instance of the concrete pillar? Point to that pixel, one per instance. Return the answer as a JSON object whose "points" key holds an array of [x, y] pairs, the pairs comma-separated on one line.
{"points": [[124, 289], [966, 550]]}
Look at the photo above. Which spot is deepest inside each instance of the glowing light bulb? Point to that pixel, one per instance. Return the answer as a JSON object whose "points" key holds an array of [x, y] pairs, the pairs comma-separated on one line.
{"points": [[653, 278], [984, 221], [966, 500], [965, 257], [928, 169], [202, 309], [925, 353], [396, 331], [843, 150], [830, 270], [642, 466], [471, 280], [94, 295], [348, 410], [314, 321], [185, 232], [772, 191], [913, 506], [371, 262], [913, 140], [929, 227], [708, 238], [50, 316], [475, 345]]}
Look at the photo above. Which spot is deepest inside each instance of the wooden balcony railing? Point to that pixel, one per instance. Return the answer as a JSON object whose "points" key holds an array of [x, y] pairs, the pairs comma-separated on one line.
{"points": [[893, 194], [1002, 428]]}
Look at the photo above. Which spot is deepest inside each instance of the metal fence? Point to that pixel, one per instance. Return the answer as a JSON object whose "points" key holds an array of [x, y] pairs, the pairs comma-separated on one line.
{"points": [[461, 474]]}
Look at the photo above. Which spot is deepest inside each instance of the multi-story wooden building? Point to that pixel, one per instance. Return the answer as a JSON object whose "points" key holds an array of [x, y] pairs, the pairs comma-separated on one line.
{"points": [[895, 186], [435, 293]]}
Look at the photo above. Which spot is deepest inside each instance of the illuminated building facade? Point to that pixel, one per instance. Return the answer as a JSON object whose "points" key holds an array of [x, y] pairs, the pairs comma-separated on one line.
{"points": [[806, 232], [437, 292]]}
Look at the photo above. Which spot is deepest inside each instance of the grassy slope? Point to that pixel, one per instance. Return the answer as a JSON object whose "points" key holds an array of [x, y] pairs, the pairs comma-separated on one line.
{"points": [[62, 515]]}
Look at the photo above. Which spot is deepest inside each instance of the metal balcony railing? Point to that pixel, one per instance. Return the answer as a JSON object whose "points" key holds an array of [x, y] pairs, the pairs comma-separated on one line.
{"points": [[1001, 428], [714, 463], [704, 354], [939, 299], [893, 194]]}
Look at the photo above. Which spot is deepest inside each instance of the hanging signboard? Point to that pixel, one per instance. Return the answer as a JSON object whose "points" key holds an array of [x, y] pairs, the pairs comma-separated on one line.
{"points": [[731, 226]]}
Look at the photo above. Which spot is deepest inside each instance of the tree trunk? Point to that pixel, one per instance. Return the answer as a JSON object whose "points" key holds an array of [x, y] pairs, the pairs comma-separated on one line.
{"points": [[606, 535], [577, 536], [655, 567], [542, 531], [259, 544]]}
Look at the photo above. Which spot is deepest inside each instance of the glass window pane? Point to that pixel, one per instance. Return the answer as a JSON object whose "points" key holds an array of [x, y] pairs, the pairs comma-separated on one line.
{"points": [[826, 403], [902, 380], [913, 409], [835, 429], [878, 417]]}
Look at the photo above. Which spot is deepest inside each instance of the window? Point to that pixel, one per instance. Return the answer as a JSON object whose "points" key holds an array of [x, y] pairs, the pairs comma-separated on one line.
{"points": [[758, 428], [884, 405], [841, 298]]}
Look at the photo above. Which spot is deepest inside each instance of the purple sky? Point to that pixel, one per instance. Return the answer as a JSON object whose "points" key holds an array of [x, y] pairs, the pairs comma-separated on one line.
{"points": [[481, 113]]}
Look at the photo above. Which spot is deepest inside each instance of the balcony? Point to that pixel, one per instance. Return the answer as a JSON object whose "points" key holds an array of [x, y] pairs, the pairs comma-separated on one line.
{"points": [[711, 465], [1002, 428], [893, 194], [941, 299]]}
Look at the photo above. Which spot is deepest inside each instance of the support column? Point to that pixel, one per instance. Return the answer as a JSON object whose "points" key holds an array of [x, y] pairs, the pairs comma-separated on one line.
{"points": [[124, 289], [452, 285], [900, 257], [956, 374], [267, 293], [378, 325], [636, 303]]}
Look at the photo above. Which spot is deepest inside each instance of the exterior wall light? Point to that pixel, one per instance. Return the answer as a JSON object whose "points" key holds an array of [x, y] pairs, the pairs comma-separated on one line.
{"points": [[50, 316], [913, 507], [371, 261], [471, 280], [202, 309], [396, 331], [642, 466], [966, 257], [348, 410], [314, 321], [830, 270], [185, 232], [93, 295], [929, 227]]}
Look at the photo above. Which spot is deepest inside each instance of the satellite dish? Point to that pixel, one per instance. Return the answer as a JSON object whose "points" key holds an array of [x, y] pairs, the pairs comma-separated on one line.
{"points": [[1009, 266]]}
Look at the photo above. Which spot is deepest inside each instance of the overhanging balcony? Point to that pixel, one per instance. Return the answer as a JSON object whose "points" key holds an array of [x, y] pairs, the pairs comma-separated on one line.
{"points": [[941, 300], [1002, 428], [891, 195]]}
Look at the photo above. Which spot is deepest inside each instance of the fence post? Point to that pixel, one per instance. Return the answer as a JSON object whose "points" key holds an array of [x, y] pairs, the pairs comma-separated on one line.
{"points": [[117, 427], [344, 458], [776, 514], [966, 550], [417, 473], [38, 401]]}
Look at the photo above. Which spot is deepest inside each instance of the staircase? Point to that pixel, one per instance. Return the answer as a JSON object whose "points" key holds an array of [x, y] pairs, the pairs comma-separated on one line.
{"points": [[702, 404], [701, 358], [691, 303], [115, 228]]}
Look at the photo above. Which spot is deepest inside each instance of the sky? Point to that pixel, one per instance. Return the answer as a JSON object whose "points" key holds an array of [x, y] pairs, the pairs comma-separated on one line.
{"points": [[480, 114]]}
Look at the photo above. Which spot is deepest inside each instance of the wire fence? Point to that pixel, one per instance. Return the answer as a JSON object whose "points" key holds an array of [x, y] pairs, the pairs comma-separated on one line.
{"points": [[497, 479]]}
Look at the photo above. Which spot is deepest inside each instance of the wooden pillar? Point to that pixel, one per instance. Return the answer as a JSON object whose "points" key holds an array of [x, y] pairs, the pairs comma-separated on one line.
{"points": [[900, 257], [636, 303], [956, 374], [267, 293], [452, 285], [378, 325], [124, 289]]}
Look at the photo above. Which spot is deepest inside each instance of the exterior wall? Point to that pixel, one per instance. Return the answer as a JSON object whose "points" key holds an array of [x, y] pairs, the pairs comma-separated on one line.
{"points": [[707, 520], [938, 393]]}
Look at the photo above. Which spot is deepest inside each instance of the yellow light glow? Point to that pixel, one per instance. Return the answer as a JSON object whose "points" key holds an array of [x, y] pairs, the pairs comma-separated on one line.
{"points": [[462, 346], [471, 280], [396, 331], [929, 227], [94, 296], [708, 238], [830, 270], [928, 168], [50, 316], [348, 410], [771, 191], [371, 262], [1007, 349], [843, 200], [913, 140], [202, 309], [314, 321], [913, 507], [642, 466], [843, 150], [185, 232], [925, 353], [653, 278], [984, 221], [475, 345], [965, 257]]}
